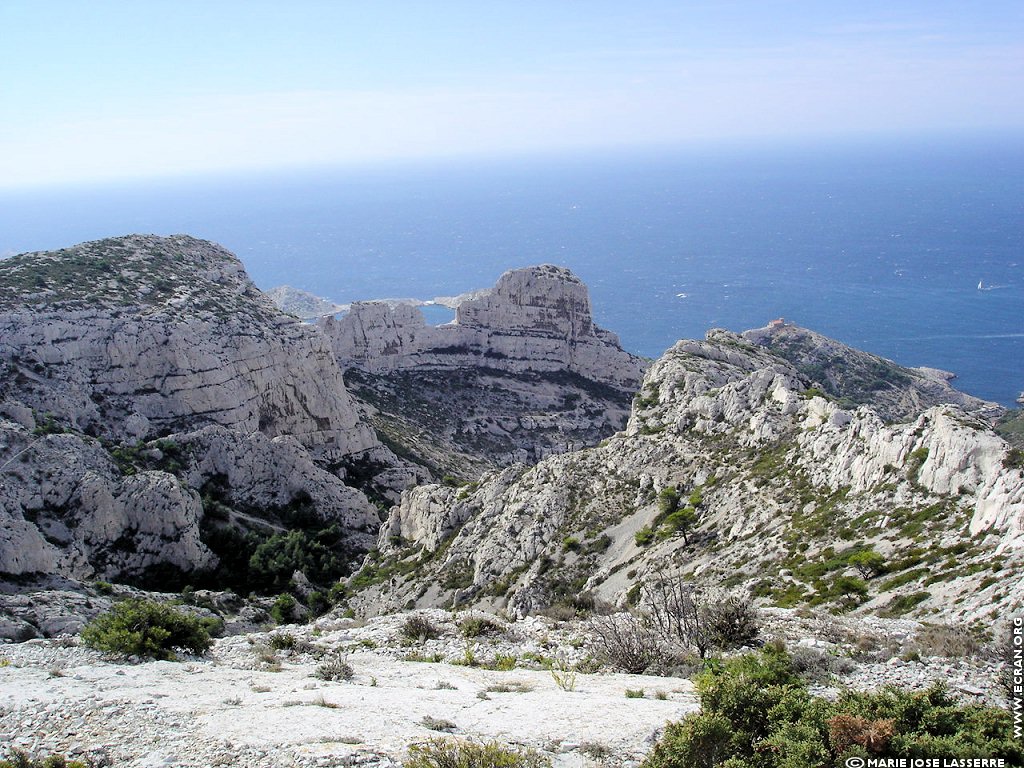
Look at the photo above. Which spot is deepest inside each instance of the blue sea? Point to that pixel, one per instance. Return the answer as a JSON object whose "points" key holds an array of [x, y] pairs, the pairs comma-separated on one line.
{"points": [[881, 246]]}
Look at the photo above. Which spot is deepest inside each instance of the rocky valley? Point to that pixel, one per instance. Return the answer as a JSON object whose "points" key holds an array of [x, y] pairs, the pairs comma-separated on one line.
{"points": [[167, 431]]}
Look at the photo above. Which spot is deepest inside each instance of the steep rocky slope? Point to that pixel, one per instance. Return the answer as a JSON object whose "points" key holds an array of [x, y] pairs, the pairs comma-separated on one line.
{"points": [[521, 373], [147, 381], [732, 471]]}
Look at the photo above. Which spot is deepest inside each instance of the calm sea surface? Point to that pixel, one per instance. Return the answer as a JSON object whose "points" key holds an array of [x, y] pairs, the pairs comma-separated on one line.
{"points": [[882, 248]]}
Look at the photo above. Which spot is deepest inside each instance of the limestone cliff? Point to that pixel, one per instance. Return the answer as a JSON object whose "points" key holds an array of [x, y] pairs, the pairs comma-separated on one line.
{"points": [[521, 373], [137, 371], [732, 470], [139, 336], [534, 319]]}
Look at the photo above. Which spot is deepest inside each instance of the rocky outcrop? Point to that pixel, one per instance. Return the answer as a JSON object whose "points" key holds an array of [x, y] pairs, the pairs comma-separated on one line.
{"points": [[536, 319], [68, 509], [894, 392], [147, 376], [733, 468], [303, 304], [522, 373]]}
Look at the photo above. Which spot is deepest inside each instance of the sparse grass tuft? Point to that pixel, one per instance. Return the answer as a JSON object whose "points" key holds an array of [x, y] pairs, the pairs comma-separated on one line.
{"points": [[335, 668], [452, 753]]}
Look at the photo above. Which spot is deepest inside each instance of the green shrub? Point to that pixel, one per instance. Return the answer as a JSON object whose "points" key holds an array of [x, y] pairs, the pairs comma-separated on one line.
{"points": [[900, 605], [138, 627], [644, 536], [915, 461], [274, 561], [504, 662], [756, 712], [452, 753], [284, 610], [458, 574], [475, 626], [318, 603], [19, 759], [282, 641], [103, 587]]}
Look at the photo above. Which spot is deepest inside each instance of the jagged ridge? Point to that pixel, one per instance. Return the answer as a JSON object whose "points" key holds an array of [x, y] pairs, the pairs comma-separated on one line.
{"points": [[785, 484]]}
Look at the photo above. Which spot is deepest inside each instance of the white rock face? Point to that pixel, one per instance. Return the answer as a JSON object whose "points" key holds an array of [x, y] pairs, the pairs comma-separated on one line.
{"points": [[143, 337], [767, 464], [66, 509], [209, 349], [534, 319]]}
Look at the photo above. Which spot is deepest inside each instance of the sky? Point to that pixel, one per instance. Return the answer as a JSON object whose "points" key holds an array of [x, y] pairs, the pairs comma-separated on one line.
{"points": [[109, 89]]}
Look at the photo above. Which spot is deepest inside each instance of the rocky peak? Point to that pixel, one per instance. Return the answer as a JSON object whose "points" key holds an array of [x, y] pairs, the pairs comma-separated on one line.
{"points": [[147, 382], [541, 300], [533, 319], [521, 373], [145, 272], [139, 336]]}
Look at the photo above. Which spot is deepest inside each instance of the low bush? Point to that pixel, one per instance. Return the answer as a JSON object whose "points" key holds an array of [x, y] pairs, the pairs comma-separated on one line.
{"points": [[419, 628], [756, 711], [627, 643], [19, 759], [815, 666], [452, 753], [334, 668], [732, 621], [951, 642], [475, 626], [282, 641], [138, 627]]}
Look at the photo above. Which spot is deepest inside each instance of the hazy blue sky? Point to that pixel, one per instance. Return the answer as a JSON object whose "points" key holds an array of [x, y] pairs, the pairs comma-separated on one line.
{"points": [[93, 90]]}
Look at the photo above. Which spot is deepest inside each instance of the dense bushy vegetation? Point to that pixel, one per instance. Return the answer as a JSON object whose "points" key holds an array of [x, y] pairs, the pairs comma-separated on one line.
{"points": [[263, 560], [756, 711], [138, 627], [451, 753]]}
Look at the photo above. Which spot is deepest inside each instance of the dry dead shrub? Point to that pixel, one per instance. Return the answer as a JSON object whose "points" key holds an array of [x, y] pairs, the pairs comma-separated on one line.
{"points": [[845, 731], [683, 613], [626, 643], [951, 642]]}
